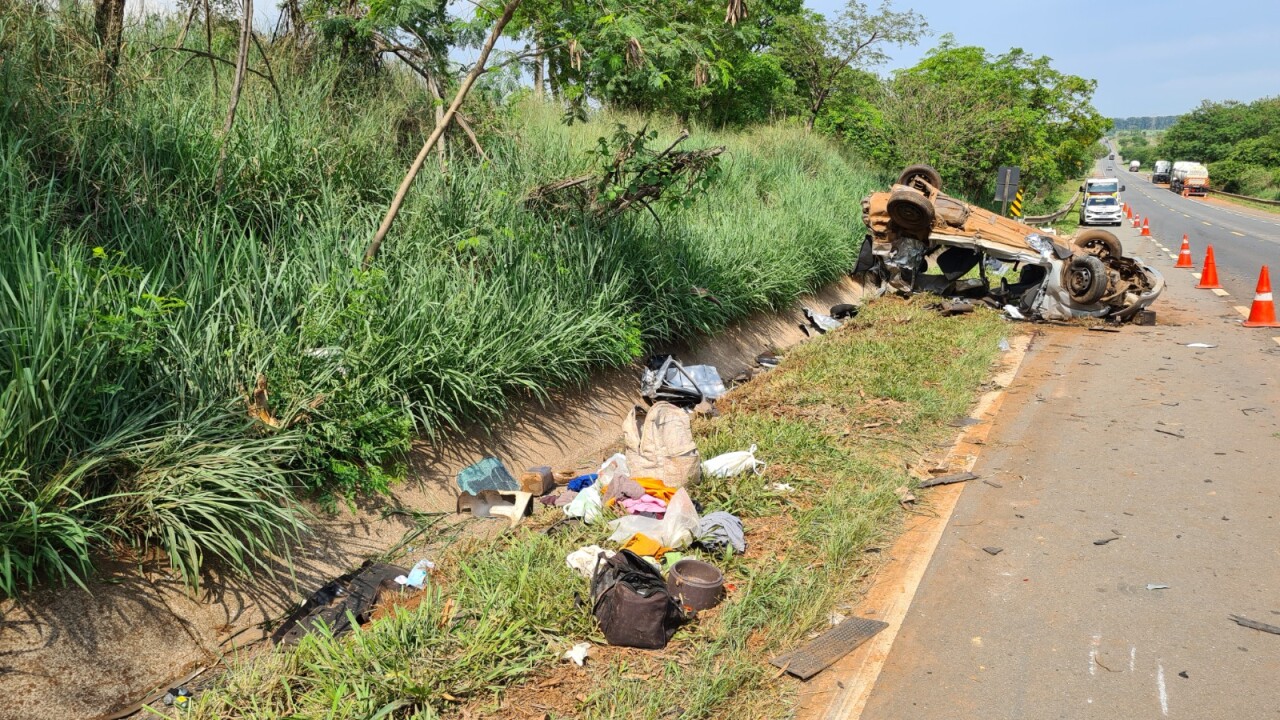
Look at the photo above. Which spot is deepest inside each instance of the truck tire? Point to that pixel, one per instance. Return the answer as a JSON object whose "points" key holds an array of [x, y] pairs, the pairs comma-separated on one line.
{"points": [[1085, 279], [923, 172], [1099, 243], [911, 211]]}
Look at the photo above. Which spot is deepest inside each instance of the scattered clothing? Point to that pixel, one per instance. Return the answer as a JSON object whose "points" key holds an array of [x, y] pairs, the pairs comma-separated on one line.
{"points": [[643, 545], [584, 559], [582, 482], [550, 500], [719, 530], [622, 487], [586, 505], [656, 488], [643, 504], [565, 498]]}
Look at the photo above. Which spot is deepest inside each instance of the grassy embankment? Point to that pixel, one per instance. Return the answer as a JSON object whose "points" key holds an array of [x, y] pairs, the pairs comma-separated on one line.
{"points": [[143, 297], [836, 421]]}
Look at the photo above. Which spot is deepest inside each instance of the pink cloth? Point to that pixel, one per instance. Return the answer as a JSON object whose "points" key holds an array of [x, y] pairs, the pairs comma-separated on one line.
{"points": [[644, 503]]}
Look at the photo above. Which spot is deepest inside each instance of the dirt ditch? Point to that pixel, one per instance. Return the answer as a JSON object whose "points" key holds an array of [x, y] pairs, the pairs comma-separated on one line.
{"points": [[67, 652]]}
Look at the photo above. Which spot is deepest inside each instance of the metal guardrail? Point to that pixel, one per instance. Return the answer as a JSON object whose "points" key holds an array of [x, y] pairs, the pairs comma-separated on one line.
{"points": [[1052, 217], [1245, 197]]}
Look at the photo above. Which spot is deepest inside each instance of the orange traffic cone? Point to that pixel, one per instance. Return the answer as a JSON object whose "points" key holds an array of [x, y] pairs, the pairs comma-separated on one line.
{"points": [[1128, 211], [1263, 312], [1184, 255], [1209, 276], [1146, 227], [1135, 221]]}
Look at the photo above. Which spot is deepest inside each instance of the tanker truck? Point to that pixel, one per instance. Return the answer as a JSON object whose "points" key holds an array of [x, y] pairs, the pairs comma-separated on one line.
{"points": [[1190, 178], [1160, 173], [1135, 165]]}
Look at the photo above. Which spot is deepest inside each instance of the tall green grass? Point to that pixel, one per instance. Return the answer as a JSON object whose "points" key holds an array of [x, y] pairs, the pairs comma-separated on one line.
{"points": [[140, 303]]}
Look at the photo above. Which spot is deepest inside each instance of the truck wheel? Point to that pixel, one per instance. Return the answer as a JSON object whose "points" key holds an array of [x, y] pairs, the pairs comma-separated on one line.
{"points": [[923, 172], [910, 211], [1099, 243], [1085, 278]]}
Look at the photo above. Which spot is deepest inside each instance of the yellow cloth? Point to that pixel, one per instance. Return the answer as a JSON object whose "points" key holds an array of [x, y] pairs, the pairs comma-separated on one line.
{"points": [[656, 488], [642, 545]]}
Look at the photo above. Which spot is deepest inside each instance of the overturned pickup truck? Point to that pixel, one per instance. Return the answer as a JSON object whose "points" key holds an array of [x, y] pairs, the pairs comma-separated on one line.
{"points": [[915, 226]]}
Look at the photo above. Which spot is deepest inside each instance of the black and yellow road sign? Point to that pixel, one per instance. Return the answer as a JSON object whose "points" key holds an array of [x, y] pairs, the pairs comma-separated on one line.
{"points": [[1015, 210]]}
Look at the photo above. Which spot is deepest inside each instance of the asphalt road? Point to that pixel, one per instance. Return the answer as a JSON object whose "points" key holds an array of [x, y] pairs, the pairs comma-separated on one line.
{"points": [[1135, 506], [1243, 239]]}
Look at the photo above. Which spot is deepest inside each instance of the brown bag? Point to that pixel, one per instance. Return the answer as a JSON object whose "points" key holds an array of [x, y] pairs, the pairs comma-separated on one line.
{"points": [[664, 449], [632, 603]]}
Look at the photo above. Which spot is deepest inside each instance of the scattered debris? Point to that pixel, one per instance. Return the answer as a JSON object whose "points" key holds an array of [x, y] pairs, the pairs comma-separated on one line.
{"points": [[695, 585], [514, 505], [586, 505], [949, 479], [784, 487], [1004, 345], [666, 379], [1170, 432], [417, 577], [335, 604], [844, 311], [630, 600], [829, 647], [733, 463], [993, 484], [1254, 624], [1014, 312], [1104, 328], [584, 559], [905, 496], [991, 550], [538, 480], [818, 321], [662, 447], [578, 653], [1157, 586], [179, 697], [1104, 541], [487, 474], [1184, 675], [720, 530]]}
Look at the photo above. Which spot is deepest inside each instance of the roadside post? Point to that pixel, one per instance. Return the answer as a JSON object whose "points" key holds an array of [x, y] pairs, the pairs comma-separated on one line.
{"points": [[1007, 188]]}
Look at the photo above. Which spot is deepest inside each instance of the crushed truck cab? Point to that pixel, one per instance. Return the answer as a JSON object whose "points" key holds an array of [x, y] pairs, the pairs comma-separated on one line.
{"points": [[915, 227]]}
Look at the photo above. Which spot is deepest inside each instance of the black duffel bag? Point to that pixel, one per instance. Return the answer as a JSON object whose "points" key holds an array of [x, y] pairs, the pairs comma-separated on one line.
{"points": [[630, 600]]}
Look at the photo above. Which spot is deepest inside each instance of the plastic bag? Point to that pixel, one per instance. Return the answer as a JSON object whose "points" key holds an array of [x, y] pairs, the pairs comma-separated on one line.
{"points": [[584, 559], [733, 463], [614, 467], [586, 505], [675, 530]]}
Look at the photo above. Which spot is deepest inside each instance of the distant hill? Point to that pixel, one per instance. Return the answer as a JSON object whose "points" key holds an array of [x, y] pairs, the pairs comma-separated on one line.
{"points": [[1159, 122]]}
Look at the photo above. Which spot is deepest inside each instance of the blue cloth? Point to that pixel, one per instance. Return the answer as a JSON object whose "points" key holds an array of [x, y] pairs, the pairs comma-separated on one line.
{"points": [[488, 474], [582, 482]]}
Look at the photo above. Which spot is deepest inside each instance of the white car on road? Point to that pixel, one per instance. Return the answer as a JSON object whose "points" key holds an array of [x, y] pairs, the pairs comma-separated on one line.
{"points": [[1100, 210]]}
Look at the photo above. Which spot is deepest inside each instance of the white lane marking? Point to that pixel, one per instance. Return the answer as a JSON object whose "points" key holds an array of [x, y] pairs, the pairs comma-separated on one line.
{"points": [[1206, 222], [1277, 339], [1093, 654], [1233, 232], [1133, 656], [1172, 256], [1185, 215], [1242, 310], [1195, 275], [1220, 292], [1164, 695]]}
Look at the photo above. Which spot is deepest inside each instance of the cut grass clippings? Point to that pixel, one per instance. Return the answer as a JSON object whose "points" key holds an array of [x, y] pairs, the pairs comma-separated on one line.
{"points": [[836, 421]]}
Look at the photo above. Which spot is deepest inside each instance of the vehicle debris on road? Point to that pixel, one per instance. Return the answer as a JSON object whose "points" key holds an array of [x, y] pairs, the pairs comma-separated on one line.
{"points": [[1254, 624], [914, 226]]}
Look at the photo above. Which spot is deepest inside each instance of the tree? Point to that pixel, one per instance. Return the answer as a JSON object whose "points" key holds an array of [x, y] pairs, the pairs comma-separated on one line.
{"points": [[820, 55], [108, 25]]}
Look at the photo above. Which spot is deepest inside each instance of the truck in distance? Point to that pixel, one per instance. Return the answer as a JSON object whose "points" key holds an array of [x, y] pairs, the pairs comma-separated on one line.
{"points": [[1134, 165], [1189, 178], [1160, 173]]}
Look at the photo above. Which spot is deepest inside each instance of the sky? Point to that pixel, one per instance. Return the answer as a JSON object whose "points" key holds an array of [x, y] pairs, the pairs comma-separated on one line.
{"points": [[1149, 57]]}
